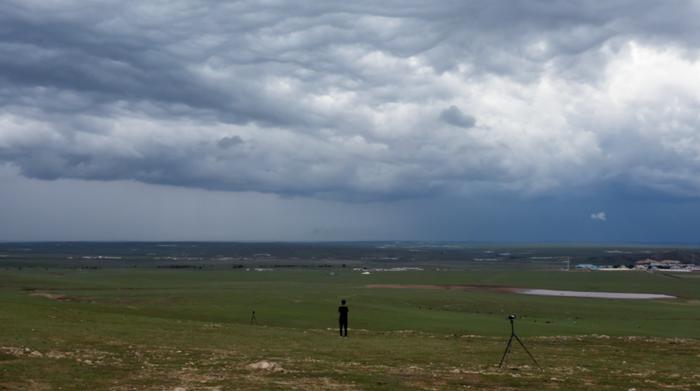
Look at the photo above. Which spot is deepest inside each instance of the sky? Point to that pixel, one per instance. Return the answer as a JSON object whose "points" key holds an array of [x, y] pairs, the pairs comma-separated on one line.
{"points": [[506, 121]]}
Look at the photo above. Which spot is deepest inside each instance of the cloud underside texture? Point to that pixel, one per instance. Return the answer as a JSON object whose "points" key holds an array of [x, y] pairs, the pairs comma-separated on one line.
{"points": [[355, 100]]}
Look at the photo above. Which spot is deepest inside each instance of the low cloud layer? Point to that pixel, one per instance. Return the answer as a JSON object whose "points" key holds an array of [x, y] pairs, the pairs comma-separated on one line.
{"points": [[359, 100]]}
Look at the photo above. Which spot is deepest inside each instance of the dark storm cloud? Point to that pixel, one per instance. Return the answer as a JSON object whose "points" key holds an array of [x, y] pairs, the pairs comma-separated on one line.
{"points": [[339, 99], [228, 142], [454, 116]]}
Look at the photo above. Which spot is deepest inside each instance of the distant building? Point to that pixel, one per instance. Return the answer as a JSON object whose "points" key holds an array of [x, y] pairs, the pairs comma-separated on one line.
{"points": [[671, 265], [586, 266]]}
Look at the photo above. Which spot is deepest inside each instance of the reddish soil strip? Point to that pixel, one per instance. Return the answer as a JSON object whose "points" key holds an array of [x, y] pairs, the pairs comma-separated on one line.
{"points": [[490, 288], [57, 297], [50, 296]]}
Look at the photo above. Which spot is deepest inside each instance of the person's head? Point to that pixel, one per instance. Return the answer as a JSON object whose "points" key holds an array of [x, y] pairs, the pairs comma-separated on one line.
{"points": [[342, 302]]}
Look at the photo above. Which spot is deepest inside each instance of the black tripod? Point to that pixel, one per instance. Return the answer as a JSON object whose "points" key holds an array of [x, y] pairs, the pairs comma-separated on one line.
{"points": [[510, 344], [252, 318]]}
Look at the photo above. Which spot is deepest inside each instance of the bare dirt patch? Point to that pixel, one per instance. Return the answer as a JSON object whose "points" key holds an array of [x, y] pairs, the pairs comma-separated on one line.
{"points": [[594, 295], [52, 296], [266, 366], [535, 292]]}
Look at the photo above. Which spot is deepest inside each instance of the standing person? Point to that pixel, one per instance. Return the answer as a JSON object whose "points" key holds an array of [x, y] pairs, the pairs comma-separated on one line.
{"points": [[343, 318]]}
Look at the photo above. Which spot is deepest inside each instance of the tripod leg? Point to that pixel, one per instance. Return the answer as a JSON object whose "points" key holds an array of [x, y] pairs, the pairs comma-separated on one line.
{"points": [[528, 352], [510, 342]]}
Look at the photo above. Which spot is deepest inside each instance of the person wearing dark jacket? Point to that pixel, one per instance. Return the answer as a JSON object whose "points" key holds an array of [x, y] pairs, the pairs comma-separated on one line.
{"points": [[343, 318]]}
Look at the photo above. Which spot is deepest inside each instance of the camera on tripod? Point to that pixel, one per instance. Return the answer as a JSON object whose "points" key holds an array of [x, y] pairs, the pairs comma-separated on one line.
{"points": [[512, 318]]}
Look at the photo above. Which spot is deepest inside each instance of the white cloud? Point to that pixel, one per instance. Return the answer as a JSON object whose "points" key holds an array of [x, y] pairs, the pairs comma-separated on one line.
{"points": [[599, 216]]}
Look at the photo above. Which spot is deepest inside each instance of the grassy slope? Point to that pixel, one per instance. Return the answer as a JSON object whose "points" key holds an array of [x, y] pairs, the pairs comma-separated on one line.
{"points": [[141, 329]]}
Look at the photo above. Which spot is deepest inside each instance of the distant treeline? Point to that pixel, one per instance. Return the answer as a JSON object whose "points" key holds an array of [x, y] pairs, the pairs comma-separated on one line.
{"points": [[195, 255]]}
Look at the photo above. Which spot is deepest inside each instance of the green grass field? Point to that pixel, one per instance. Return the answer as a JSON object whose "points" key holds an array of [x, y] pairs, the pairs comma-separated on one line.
{"points": [[173, 329]]}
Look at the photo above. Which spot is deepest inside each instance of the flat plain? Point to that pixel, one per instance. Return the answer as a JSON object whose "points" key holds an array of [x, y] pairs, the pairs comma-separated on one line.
{"points": [[157, 329]]}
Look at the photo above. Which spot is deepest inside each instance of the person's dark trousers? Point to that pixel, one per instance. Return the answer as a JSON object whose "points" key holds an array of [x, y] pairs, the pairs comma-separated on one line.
{"points": [[343, 327]]}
